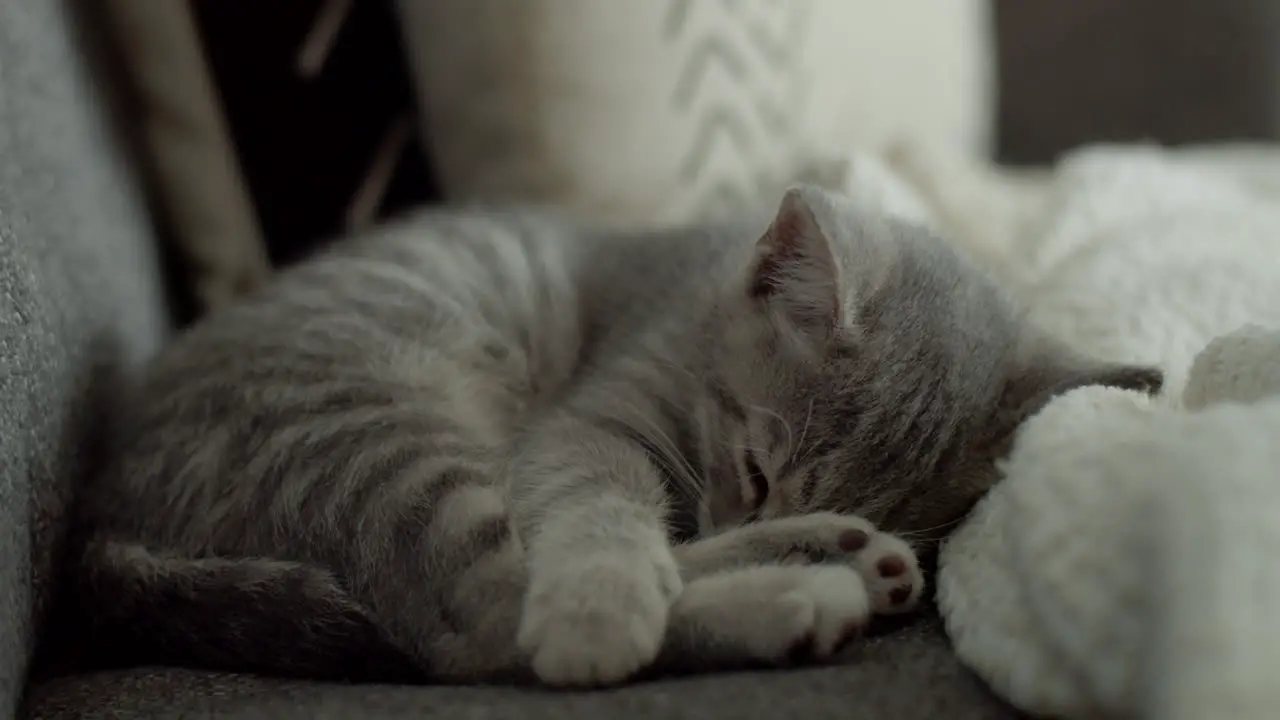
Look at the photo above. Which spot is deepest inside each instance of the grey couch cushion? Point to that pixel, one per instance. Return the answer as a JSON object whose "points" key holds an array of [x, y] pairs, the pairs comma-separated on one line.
{"points": [[79, 299], [907, 675]]}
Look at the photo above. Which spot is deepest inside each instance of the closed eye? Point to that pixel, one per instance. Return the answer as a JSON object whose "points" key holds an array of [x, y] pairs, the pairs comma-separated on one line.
{"points": [[759, 483]]}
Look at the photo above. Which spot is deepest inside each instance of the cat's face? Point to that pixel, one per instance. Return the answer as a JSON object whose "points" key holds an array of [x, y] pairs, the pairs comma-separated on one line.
{"points": [[861, 366]]}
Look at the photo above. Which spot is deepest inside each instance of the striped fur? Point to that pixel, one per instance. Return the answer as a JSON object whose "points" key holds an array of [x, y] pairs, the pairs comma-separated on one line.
{"points": [[486, 445]]}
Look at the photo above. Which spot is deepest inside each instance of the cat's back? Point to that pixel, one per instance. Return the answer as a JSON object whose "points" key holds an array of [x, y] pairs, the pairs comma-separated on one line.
{"points": [[448, 279], [438, 282], [446, 321]]}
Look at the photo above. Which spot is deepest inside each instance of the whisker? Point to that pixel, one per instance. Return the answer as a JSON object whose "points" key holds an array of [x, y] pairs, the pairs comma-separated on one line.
{"points": [[753, 449], [809, 454], [916, 533], [804, 433], [786, 425], [676, 464], [672, 471], [677, 367], [682, 475]]}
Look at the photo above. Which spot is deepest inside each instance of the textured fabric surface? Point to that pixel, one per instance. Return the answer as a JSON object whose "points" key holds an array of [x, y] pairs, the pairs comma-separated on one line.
{"points": [[909, 71], [910, 674], [1163, 511], [79, 298], [628, 112], [644, 111], [1138, 259]]}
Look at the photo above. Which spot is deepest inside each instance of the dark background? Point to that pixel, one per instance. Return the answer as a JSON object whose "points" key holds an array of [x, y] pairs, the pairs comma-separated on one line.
{"points": [[305, 144]]}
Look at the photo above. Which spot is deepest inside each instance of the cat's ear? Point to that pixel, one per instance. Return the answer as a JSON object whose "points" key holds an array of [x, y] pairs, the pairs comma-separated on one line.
{"points": [[1045, 368], [794, 273]]}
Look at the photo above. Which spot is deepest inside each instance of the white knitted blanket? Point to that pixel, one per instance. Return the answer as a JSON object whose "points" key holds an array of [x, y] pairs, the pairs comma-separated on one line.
{"points": [[1128, 565]]}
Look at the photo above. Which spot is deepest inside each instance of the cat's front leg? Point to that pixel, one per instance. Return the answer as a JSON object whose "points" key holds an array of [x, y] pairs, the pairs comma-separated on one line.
{"points": [[589, 508], [771, 615], [887, 565]]}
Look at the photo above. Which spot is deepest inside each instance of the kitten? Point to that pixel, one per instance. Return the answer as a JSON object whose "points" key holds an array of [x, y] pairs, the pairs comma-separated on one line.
{"points": [[501, 444]]}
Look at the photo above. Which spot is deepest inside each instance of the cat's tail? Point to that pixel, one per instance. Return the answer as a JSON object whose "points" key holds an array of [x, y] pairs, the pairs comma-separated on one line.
{"points": [[129, 605]]}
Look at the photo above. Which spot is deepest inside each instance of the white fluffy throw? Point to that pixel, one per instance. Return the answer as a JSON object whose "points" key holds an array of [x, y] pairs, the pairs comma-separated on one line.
{"points": [[1129, 563]]}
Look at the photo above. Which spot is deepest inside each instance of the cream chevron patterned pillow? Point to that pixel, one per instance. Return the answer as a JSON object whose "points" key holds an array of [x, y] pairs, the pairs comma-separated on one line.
{"points": [[653, 111]]}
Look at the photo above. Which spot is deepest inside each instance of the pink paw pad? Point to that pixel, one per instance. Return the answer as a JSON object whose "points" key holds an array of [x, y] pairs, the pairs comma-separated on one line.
{"points": [[891, 566], [900, 594], [891, 575], [853, 540]]}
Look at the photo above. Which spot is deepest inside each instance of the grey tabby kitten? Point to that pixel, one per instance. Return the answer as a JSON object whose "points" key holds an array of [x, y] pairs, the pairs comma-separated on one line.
{"points": [[500, 444]]}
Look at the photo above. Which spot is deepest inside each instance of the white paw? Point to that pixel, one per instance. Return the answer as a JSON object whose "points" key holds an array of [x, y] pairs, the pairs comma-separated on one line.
{"points": [[891, 573], [600, 619], [840, 609], [887, 564], [778, 614]]}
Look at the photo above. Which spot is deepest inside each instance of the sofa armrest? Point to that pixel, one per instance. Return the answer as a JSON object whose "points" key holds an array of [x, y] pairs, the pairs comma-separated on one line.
{"points": [[80, 300]]}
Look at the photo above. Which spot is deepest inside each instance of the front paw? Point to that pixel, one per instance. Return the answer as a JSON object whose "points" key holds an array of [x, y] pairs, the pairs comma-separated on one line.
{"points": [[892, 574], [887, 564], [599, 618], [775, 614]]}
